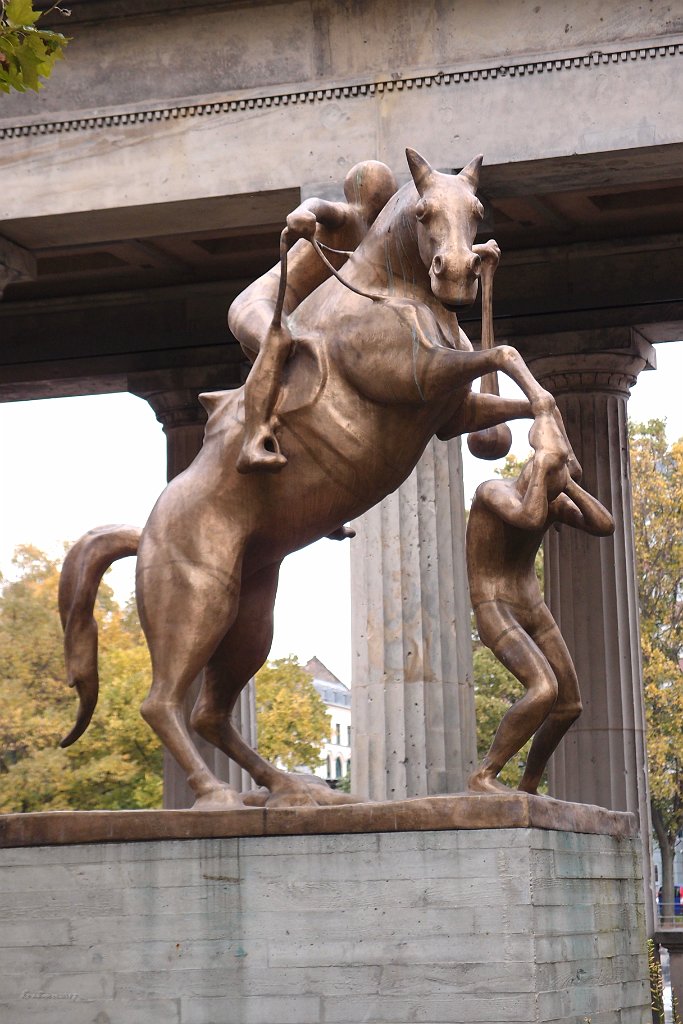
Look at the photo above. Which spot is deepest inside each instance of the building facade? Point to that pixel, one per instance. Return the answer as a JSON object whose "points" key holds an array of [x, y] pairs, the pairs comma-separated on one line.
{"points": [[336, 754]]}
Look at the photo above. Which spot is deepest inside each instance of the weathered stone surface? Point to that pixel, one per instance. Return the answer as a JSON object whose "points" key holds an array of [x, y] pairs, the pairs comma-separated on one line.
{"points": [[446, 927], [412, 692]]}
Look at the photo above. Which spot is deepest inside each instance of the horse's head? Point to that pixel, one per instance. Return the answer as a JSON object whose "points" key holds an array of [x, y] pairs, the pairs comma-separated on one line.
{"points": [[448, 214]]}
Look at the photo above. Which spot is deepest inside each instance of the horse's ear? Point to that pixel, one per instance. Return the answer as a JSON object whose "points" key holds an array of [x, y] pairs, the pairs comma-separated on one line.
{"points": [[419, 168], [471, 171]]}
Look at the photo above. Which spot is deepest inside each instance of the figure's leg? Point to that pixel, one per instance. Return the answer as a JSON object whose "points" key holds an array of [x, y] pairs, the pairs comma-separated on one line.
{"points": [[260, 449], [251, 313], [567, 708], [240, 654], [184, 612], [515, 649]]}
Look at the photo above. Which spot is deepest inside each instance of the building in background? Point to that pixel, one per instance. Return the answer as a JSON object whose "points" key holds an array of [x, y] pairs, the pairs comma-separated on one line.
{"points": [[336, 753]]}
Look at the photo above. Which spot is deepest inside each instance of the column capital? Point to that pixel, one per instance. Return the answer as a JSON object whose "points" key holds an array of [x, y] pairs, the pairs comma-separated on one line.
{"points": [[173, 393], [613, 370], [179, 408], [16, 264]]}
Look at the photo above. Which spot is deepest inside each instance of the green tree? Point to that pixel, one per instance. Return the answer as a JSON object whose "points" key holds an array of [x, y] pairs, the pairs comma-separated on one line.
{"points": [[27, 53], [118, 763], [291, 718], [657, 483]]}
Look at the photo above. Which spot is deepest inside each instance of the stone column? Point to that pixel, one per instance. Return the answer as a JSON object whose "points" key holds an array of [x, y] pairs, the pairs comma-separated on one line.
{"points": [[412, 692], [592, 591], [183, 420]]}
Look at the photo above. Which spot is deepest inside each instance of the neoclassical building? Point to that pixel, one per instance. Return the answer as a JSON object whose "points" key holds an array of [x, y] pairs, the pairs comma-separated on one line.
{"points": [[148, 183]]}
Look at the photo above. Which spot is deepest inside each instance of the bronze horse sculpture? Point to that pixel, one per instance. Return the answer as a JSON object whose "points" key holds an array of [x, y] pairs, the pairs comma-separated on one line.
{"points": [[379, 367]]}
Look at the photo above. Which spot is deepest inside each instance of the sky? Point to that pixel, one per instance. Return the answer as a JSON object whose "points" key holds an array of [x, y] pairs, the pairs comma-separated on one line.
{"points": [[69, 464]]}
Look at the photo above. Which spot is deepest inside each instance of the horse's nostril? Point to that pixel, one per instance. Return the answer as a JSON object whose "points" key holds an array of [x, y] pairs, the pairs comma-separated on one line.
{"points": [[437, 265], [476, 264]]}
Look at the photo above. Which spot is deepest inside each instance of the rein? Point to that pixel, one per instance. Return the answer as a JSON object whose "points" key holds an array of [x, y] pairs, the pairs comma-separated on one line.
{"points": [[276, 322]]}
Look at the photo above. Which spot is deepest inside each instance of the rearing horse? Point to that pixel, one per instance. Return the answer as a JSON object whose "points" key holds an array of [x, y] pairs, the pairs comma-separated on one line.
{"points": [[380, 366]]}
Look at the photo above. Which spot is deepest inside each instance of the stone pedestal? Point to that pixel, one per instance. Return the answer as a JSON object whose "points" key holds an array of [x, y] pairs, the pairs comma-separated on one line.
{"points": [[456, 926], [412, 694], [591, 587], [183, 420]]}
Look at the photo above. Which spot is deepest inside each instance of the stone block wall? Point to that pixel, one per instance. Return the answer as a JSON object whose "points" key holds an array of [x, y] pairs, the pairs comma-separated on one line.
{"points": [[487, 926]]}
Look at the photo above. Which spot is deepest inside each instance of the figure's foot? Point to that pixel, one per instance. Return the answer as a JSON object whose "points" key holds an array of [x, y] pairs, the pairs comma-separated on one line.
{"points": [[483, 781], [342, 533], [261, 452], [222, 798]]}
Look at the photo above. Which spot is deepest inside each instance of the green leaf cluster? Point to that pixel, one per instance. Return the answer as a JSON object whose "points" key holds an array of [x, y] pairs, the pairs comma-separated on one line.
{"points": [[27, 53], [118, 762], [291, 718]]}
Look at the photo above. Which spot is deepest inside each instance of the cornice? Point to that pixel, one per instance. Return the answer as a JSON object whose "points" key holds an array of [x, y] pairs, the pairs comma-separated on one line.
{"points": [[315, 93]]}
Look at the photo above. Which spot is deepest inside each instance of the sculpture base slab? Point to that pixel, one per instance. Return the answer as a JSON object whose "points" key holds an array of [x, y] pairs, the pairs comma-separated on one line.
{"points": [[461, 810], [440, 925]]}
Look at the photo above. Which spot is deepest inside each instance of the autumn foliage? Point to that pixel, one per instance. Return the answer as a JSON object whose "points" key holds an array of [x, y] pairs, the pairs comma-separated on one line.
{"points": [[657, 481], [118, 763], [291, 718]]}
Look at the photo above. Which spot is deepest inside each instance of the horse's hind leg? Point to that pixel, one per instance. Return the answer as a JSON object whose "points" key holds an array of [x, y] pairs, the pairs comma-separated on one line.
{"points": [[239, 655], [237, 658], [184, 618]]}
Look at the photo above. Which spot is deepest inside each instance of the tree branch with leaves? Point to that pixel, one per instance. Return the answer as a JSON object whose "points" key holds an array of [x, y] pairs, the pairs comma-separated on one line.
{"points": [[27, 53]]}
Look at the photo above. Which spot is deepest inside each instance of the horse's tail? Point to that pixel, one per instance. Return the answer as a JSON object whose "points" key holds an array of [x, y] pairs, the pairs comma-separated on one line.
{"points": [[83, 569]]}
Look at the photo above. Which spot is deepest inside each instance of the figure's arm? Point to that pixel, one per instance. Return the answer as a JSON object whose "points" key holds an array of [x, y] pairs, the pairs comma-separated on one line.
{"points": [[302, 222], [579, 509], [529, 512]]}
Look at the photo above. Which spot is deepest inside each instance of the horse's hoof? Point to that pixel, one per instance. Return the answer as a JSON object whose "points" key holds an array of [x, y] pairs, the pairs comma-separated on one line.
{"points": [[223, 798], [342, 533], [255, 797], [308, 795], [291, 798]]}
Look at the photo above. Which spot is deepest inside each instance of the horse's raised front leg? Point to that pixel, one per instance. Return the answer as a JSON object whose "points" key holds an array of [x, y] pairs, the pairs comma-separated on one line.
{"points": [[479, 412], [238, 657], [442, 371]]}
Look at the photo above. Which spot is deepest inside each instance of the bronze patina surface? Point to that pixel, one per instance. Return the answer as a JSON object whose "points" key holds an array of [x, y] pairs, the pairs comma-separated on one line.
{"points": [[505, 529], [435, 813], [376, 365]]}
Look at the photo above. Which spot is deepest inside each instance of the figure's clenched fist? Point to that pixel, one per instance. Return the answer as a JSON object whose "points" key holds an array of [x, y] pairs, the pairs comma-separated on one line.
{"points": [[488, 252], [301, 224]]}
